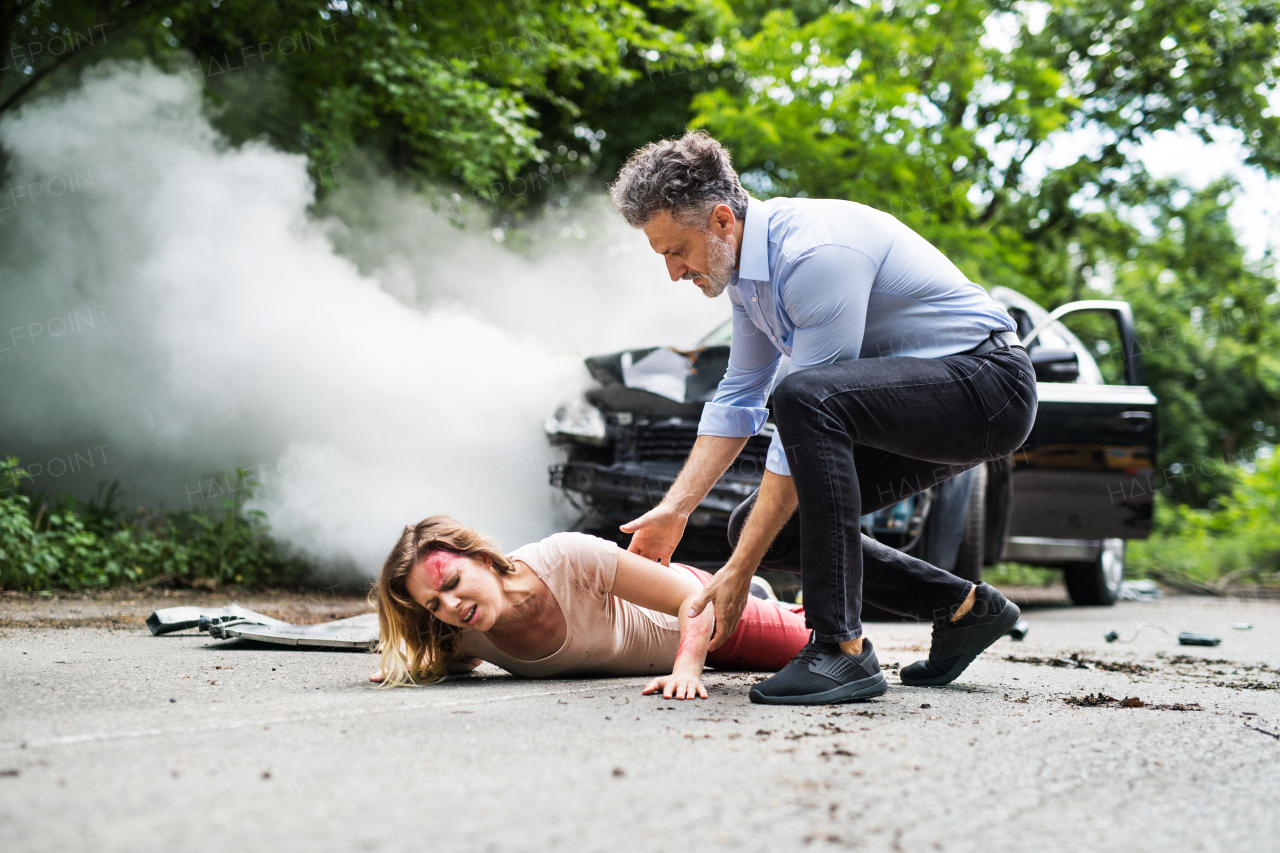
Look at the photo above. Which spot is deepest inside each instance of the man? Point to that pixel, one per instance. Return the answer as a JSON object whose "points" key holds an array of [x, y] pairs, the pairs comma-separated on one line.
{"points": [[903, 374]]}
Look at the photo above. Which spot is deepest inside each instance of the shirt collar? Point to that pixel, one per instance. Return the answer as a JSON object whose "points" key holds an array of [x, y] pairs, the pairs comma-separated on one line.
{"points": [[753, 262]]}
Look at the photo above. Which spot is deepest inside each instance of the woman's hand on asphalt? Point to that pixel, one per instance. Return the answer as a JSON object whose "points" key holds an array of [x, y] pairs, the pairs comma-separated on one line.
{"points": [[728, 590], [656, 533], [677, 686]]}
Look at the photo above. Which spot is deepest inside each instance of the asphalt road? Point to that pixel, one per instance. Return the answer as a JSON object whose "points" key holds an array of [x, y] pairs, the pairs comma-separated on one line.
{"points": [[111, 739]]}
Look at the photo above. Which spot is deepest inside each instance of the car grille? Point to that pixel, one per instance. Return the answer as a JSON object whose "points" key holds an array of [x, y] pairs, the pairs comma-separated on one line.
{"points": [[672, 440], [665, 440]]}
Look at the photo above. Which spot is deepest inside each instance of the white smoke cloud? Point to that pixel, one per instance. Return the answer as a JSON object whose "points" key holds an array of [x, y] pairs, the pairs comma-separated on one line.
{"points": [[171, 302]]}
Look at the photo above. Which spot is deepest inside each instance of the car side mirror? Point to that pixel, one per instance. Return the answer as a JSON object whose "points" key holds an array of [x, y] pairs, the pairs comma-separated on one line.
{"points": [[1055, 365]]}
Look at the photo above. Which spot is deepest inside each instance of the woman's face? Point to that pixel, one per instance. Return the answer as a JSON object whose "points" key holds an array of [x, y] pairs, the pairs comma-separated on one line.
{"points": [[460, 591]]}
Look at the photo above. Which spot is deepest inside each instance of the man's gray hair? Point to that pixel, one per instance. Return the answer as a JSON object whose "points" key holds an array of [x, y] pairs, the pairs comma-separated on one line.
{"points": [[688, 177]]}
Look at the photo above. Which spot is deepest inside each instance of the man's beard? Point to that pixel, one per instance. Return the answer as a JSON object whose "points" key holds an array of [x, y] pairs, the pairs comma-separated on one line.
{"points": [[720, 258]]}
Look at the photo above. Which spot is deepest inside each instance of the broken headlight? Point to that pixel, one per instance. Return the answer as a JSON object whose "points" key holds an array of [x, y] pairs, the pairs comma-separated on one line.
{"points": [[578, 419]]}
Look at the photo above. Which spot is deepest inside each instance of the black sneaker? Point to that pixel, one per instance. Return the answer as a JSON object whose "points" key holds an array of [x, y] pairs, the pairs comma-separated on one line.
{"points": [[956, 644], [821, 674]]}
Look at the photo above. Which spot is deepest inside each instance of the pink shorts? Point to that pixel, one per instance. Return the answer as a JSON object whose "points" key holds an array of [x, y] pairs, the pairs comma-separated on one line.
{"points": [[766, 639]]}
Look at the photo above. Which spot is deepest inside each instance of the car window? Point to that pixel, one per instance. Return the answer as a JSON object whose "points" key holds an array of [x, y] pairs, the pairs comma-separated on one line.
{"points": [[1098, 333], [1057, 336]]}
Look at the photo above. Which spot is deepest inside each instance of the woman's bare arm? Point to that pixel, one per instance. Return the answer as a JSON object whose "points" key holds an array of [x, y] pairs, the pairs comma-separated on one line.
{"points": [[664, 589]]}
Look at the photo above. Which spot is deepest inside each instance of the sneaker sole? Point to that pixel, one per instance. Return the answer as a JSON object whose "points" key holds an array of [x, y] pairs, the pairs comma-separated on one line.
{"points": [[865, 688], [1008, 616]]}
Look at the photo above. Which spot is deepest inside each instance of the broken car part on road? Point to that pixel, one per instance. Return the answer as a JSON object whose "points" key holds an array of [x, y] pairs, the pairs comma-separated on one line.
{"points": [[1185, 638], [236, 622]]}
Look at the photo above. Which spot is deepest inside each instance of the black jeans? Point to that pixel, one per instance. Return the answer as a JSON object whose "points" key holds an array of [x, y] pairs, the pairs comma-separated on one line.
{"points": [[863, 434]]}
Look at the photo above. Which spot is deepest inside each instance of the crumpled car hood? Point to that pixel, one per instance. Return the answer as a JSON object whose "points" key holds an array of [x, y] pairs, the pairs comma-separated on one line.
{"points": [[657, 380]]}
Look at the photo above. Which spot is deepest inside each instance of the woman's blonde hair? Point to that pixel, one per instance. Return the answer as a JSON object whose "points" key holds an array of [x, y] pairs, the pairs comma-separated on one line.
{"points": [[416, 647]]}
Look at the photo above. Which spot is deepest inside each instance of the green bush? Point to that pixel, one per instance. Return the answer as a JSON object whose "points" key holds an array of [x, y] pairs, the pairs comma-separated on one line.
{"points": [[60, 543], [1238, 540]]}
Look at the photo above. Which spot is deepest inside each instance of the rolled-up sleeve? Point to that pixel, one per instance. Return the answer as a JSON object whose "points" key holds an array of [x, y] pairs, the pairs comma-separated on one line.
{"points": [[737, 409], [826, 295]]}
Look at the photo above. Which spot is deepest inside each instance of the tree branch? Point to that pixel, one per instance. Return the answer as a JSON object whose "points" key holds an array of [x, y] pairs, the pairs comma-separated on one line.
{"points": [[35, 78], [130, 17]]}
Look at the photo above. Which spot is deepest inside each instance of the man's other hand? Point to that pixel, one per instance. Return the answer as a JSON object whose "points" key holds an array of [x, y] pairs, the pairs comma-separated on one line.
{"points": [[656, 533], [728, 591]]}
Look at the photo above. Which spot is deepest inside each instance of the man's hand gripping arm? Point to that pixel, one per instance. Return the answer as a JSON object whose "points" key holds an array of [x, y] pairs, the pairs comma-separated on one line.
{"points": [[729, 589]]}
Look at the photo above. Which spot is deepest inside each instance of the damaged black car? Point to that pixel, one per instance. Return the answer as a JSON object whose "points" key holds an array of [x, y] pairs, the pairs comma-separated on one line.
{"points": [[1069, 498]]}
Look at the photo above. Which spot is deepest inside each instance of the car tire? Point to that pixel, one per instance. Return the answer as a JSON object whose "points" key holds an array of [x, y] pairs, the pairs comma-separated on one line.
{"points": [[972, 547], [1098, 583]]}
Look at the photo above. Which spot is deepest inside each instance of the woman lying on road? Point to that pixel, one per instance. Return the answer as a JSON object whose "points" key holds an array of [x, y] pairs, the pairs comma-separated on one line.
{"points": [[570, 605]]}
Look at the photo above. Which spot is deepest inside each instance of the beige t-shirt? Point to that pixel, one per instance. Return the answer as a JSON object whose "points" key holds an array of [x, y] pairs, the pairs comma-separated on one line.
{"points": [[604, 635]]}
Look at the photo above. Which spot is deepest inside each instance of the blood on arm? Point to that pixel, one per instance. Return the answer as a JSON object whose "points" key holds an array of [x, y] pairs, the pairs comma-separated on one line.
{"points": [[695, 638]]}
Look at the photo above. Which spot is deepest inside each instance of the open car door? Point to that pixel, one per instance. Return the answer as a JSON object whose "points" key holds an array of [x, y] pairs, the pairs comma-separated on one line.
{"points": [[1086, 470], [1083, 481]]}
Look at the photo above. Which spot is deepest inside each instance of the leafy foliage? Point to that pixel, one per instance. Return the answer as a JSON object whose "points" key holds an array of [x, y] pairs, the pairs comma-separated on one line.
{"points": [[1207, 326], [461, 93], [916, 109], [1239, 541], [59, 543], [939, 111]]}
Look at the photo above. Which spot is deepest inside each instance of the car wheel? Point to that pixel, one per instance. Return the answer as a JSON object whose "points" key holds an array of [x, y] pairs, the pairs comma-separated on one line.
{"points": [[970, 557], [1098, 583]]}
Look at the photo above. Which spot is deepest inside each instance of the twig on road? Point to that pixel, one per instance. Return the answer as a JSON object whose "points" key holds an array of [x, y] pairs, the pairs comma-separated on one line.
{"points": [[1275, 735]]}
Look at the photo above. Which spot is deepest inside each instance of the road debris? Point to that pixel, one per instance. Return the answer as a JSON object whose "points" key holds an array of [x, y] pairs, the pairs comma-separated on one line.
{"points": [[1073, 662], [1019, 629], [1185, 638], [1139, 590], [1275, 735], [171, 619], [236, 622], [1078, 661], [1095, 700]]}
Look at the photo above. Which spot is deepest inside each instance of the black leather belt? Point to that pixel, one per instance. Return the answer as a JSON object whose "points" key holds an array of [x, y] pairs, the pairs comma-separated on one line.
{"points": [[997, 340]]}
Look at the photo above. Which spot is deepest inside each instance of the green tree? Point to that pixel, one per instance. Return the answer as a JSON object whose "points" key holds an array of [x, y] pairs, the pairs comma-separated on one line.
{"points": [[455, 93], [911, 107], [1207, 327], [938, 111]]}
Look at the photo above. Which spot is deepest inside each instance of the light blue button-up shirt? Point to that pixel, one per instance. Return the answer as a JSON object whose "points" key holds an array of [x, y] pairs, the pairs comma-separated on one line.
{"points": [[822, 281]]}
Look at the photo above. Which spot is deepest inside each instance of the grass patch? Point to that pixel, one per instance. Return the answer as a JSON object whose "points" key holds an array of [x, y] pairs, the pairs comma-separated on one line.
{"points": [[1236, 544], [1020, 574]]}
